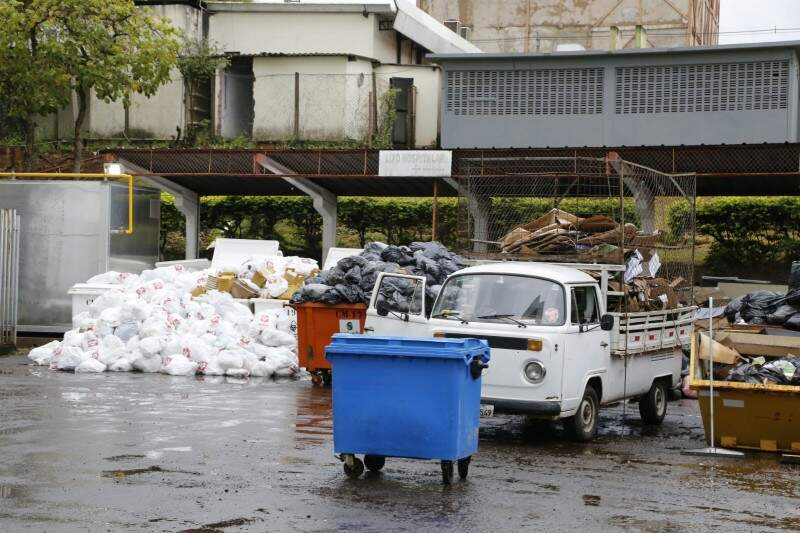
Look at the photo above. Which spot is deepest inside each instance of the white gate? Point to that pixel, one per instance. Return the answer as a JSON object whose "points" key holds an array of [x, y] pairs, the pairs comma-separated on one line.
{"points": [[9, 275]]}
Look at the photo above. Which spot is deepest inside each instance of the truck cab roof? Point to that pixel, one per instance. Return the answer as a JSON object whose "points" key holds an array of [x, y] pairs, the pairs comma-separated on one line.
{"points": [[557, 273]]}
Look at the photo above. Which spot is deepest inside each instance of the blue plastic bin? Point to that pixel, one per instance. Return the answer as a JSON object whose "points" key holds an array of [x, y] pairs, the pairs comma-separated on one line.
{"points": [[406, 397]]}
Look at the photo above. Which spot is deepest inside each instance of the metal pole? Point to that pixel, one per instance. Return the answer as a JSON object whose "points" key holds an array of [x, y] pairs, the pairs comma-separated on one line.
{"points": [[435, 222], [296, 106], [711, 366]]}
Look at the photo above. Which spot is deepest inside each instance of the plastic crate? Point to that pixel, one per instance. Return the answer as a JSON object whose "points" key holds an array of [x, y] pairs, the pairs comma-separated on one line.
{"points": [[407, 397]]}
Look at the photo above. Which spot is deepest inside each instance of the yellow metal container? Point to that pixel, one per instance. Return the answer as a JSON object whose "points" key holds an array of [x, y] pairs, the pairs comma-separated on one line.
{"points": [[750, 416]]}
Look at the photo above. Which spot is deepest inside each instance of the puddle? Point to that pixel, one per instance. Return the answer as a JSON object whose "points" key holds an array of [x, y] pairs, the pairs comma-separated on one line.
{"points": [[217, 527], [124, 457], [591, 500], [119, 474]]}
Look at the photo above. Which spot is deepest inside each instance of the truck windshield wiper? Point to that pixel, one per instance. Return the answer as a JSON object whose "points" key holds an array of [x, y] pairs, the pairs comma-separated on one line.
{"points": [[507, 317], [447, 314]]}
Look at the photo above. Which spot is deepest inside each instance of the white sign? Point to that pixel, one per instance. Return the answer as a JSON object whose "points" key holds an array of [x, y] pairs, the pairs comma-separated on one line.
{"points": [[349, 326], [416, 163]]}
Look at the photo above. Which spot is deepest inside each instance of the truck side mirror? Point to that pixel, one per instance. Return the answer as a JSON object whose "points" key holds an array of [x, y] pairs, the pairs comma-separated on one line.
{"points": [[606, 322]]}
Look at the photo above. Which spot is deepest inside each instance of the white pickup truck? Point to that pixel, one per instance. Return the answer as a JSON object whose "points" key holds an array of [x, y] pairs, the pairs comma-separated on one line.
{"points": [[556, 352]]}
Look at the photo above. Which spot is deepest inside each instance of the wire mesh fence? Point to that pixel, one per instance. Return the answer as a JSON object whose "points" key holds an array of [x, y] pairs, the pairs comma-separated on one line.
{"points": [[579, 210]]}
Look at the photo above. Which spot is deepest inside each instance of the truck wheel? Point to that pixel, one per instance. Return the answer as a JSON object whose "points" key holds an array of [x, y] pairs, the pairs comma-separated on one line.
{"points": [[653, 405], [583, 426]]}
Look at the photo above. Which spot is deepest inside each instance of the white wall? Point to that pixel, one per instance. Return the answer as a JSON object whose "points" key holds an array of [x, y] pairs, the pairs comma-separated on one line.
{"points": [[323, 89], [254, 33], [427, 81]]}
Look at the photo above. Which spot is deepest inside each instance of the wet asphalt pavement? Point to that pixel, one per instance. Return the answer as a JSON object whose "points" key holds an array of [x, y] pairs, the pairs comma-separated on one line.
{"points": [[134, 452]]}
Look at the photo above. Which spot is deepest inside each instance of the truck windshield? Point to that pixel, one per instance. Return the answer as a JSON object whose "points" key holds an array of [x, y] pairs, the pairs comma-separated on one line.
{"points": [[494, 297]]}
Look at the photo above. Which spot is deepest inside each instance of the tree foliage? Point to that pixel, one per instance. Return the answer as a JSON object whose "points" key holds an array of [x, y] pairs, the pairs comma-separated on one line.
{"points": [[106, 48], [33, 81]]}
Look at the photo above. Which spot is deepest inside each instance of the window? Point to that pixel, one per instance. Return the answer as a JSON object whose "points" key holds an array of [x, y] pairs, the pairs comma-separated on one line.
{"points": [[584, 306], [500, 297]]}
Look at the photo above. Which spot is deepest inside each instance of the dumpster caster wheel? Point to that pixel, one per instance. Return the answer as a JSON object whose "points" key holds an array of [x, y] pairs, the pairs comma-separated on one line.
{"points": [[374, 463], [316, 378], [353, 466], [447, 472], [463, 467]]}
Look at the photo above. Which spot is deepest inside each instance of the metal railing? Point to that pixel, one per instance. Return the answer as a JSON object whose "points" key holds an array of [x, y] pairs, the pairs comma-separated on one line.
{"points": [[9, 275]]}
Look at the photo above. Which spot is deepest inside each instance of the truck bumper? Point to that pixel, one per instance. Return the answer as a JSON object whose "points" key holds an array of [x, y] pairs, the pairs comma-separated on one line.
{"points": [[524, 407]]}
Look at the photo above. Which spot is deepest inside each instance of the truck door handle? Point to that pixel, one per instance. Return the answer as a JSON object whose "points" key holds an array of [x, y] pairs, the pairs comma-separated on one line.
{"points": [[604, 344], [369, 329]]}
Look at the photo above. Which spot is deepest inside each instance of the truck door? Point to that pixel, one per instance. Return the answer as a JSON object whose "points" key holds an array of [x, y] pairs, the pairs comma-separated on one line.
{"points": [[587, 346], [397, 307]]}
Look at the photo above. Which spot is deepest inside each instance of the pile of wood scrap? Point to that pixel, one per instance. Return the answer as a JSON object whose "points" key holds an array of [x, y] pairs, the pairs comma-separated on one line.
{"points": [[559, 232]]}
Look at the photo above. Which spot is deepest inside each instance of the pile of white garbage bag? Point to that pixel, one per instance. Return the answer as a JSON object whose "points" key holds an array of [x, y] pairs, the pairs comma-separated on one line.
{"points": [[152, 323]]}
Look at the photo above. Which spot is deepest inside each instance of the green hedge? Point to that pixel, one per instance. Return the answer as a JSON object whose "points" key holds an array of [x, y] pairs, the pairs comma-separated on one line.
{"points": [[744, 232], [759, 233]]}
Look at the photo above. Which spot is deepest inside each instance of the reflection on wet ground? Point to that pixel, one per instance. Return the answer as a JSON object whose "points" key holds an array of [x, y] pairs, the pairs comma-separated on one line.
{"points": [[159, 453]]}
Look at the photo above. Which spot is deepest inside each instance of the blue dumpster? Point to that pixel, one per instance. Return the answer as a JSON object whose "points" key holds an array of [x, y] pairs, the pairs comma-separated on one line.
{"points": [[406, 397]]}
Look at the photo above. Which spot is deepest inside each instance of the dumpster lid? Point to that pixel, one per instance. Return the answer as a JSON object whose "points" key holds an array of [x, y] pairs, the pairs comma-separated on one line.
{"points": [[465, 349]]}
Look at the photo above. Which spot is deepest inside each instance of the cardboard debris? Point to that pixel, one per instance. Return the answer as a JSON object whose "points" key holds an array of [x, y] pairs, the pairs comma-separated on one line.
{"points": [[721, 353]]}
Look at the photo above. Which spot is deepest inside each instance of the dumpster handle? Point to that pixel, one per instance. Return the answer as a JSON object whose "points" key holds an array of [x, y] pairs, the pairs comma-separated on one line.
{"points": [[476, 367]]}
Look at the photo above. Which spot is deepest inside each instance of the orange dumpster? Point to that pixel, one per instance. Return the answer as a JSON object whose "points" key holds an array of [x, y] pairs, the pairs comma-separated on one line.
{"points": [[316, 324]]}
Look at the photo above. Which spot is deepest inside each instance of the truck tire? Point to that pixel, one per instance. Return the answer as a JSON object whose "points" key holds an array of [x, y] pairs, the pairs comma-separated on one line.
{"points": [[583, 426], [653, 405]]}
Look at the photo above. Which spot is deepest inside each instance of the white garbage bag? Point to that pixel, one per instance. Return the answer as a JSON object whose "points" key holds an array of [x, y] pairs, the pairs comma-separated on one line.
{"points": [[71, 356], [178, 365], [90, 365], [43, 355]]}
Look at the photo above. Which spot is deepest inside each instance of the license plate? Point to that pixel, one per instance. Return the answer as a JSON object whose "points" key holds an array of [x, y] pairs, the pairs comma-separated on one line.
{"points": [[487, 411]]}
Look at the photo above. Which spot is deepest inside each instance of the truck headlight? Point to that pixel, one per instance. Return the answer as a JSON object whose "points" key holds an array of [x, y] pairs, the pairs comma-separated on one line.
{"points": [[535, 372]]}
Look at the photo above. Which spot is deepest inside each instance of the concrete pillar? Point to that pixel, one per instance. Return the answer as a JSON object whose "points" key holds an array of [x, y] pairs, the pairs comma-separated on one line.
{"points": [[186, 201], [325, 202]]}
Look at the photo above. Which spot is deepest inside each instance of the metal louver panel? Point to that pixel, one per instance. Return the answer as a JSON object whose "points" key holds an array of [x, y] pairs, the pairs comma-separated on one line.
{"points": [[572, 91], [9, 275], [750, 86]]}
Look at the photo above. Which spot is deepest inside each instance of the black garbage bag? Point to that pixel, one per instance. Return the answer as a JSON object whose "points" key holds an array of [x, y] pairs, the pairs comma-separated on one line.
{"points": [[312, 292], [332, 277], [353, 276], [785, 371], [432, 250], [372, 251], [427, 265], [780, 315], [756, 306], [794, 277], [346, 264], [331, 297], [733, 308], [793, 322], [793, 298], [401, 255], [351, 294]]}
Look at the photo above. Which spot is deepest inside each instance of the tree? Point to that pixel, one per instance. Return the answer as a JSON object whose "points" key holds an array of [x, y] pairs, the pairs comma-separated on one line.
{"points": [[111, 48], [32, 80]]}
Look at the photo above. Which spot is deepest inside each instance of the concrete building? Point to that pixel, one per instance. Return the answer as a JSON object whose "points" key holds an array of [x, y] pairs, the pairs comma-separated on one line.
{"points": [[309, 71], [319, 70], [732, 94], [542, 25]]}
